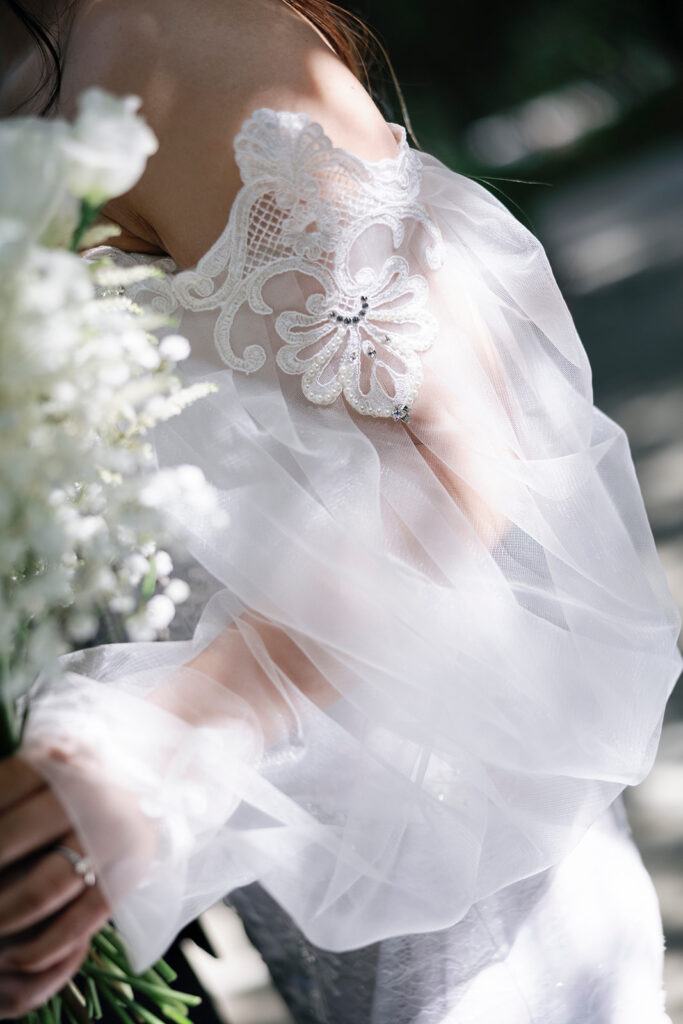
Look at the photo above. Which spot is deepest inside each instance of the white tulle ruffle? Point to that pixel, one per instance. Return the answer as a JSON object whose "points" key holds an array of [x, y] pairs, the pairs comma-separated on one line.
{"points": [[434, 641]]}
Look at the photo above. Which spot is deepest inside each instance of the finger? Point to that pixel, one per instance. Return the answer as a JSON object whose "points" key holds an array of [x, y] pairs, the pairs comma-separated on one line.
{"points": [[38, 892], [18, 779], [21, 993], [30, 825], [78, 922]]}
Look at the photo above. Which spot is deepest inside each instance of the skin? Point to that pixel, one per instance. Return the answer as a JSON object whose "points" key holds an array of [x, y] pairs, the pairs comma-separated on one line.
{"points": [[47, 915], [199, 78]]}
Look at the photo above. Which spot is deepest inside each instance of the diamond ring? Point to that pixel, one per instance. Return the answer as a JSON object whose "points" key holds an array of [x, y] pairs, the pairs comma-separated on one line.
{"points": [[81, 865]]}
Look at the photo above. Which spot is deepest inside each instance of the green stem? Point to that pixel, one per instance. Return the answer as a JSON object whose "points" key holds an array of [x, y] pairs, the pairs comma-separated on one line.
{"points": [[173, 1014], [45, 1014], [94, 996], [147, 1015], [111, 936], [57, 1008], [165, 970], [88, 215], [111, 999], [155, 991], [106, 948]]}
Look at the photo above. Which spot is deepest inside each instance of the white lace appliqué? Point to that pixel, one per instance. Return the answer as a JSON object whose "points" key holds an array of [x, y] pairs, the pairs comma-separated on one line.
{"points": [[310, 208]]}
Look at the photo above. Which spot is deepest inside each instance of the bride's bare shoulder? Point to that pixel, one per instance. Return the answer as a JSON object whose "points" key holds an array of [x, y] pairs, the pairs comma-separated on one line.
{"points": [[201, 67]]}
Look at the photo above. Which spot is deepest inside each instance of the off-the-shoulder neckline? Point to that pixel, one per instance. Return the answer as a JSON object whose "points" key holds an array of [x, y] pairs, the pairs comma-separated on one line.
{"points": [[304, 120]]}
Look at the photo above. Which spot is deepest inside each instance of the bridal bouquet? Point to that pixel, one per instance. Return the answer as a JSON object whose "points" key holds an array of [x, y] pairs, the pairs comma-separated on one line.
{"points": [[82, 510]]}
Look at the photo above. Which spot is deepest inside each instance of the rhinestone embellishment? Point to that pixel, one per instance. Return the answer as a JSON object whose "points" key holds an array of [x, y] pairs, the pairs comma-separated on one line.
{"points": [[355, 318], [400, 413]]}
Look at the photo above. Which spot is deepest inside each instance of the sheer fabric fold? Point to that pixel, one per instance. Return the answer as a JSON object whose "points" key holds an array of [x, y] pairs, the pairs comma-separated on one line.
{"points": [[434, 640]]}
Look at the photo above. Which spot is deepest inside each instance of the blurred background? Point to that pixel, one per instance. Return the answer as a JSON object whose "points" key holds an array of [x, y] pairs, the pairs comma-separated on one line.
{"points": [[581, 103]]}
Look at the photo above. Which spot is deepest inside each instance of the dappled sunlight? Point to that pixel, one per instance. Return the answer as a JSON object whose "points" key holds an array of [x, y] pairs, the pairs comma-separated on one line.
{"points": [[562, 118], [653, 420], [552, 121], [618, 224]]}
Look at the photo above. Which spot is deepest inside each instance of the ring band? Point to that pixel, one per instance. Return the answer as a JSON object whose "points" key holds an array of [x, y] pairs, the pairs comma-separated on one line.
{"points": [[81, 865]]}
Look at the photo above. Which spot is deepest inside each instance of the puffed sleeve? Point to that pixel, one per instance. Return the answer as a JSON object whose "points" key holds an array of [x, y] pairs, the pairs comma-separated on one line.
{"points": [[433, 640]]}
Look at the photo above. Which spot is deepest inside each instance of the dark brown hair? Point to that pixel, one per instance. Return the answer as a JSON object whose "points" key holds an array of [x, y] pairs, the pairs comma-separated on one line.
{"points": [[348, 35]]}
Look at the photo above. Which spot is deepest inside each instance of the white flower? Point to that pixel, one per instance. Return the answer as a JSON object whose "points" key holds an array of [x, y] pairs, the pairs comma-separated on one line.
{"points": [[114, 374], [159, 612], [177, 591], [174, 347], [83, 512], [82, 626], [137, 566], [172, 486], [122, 604], [190, 477], [108, 146], [33, 186], [14, 245], [82, 529], [54, 281], [163, 563], [138, 629]]}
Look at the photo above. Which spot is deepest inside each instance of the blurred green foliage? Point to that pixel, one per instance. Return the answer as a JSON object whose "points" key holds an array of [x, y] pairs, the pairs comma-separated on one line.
{"points": [[461, 63]]}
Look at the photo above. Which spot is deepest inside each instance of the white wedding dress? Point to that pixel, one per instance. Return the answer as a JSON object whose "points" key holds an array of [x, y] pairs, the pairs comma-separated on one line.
{"points": [[579, 943], [431, 644]]}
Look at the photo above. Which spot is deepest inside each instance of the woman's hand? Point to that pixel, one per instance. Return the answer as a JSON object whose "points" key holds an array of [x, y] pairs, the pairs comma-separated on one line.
{"points": [[47, 912]]}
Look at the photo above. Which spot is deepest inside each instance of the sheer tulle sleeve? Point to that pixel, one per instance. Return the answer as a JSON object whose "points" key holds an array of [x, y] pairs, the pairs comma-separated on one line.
{"points": [[433, 640]]}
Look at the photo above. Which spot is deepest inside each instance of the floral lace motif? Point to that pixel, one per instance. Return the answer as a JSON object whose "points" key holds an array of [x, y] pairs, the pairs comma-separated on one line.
{"points": [[306, 207]]}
